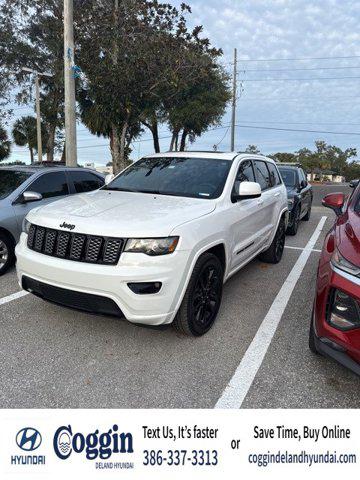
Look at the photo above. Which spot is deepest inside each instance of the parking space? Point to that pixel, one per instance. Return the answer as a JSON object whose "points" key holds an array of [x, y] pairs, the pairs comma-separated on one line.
{"points": [[55, 357]]}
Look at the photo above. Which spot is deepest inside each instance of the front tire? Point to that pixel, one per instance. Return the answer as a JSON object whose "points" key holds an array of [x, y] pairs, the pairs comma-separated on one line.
{"points": [[307, 216], [275, 252], [312, 337], [7, 255], [202, 299]]}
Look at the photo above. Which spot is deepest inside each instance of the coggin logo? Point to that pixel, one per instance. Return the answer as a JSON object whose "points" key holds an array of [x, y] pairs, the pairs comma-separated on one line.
{"points": [[95, 445]]}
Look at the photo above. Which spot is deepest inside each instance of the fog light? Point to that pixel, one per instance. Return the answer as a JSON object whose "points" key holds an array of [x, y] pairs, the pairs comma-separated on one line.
{"points": [[344, 311], [145, 288]]}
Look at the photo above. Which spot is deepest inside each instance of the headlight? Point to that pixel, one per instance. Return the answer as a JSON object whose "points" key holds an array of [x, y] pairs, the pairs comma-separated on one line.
{"points": [[152, 246], [26, 226], [340, 262], [344, 311]]}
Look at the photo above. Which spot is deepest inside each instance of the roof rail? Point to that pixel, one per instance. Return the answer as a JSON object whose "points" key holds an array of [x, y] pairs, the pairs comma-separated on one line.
{"points": [[290, 164]]}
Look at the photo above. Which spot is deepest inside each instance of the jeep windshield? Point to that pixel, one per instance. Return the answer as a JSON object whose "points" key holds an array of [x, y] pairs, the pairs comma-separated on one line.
{"points": [[10, 180], [179, 176]]}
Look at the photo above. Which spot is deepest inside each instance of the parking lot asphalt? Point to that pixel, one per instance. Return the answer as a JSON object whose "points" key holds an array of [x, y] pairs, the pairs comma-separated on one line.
{"points": [[52, 357]]}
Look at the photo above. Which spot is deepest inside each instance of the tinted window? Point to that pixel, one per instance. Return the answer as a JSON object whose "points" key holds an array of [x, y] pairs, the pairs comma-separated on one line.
{"points": [[302, 175], [262, 174], [51, 184], [180, 176], [85, 181], [288, 176], [244, 174], [10, 180], [274, 175]]}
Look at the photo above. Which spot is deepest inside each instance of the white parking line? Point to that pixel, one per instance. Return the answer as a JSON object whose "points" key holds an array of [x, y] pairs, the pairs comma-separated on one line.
{"points": [[301, 248], [12, 297], [236, 391]]}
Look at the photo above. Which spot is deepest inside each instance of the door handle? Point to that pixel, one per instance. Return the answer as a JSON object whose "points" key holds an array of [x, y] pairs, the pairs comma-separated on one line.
{"points": [[277, 194]]}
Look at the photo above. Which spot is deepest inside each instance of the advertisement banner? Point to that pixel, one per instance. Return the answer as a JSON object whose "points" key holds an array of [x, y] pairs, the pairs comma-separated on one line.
{"points": [[163, 444]]}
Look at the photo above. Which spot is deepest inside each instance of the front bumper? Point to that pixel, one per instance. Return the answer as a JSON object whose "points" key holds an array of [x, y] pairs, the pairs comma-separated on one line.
{"points": [[111, 282], [343, 346], [337, 353]]}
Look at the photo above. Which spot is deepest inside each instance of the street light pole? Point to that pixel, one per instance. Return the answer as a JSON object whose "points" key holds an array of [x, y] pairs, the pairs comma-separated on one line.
{"points": [[37, 105], [38, 118], [233, 113], [69, 84]]}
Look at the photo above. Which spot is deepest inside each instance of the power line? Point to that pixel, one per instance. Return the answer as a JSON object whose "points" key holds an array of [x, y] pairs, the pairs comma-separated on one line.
{"points": [[271, 99], [298, 130], [295, 69], [295, 79], [238, 126], [305, 123], [240, 60]]}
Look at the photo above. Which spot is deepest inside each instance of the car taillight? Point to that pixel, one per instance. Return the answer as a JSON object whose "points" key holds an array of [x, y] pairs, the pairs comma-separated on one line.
{"points": [[344, 311]]}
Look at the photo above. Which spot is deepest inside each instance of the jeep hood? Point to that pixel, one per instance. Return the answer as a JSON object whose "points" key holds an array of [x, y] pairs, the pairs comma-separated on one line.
{"points": [[121, 214]]}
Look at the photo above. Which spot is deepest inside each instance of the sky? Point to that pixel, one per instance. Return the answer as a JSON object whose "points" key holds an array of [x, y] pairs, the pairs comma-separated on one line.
{"points": [[298, 69]]}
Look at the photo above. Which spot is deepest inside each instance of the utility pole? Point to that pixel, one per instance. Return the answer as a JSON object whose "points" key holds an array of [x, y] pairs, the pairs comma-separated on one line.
{"points": [[38, 117], [69, 83], [37, 104], [233, 114]]}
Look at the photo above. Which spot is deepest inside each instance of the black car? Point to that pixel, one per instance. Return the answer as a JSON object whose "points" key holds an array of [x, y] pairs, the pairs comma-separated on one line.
{"points": [[300, 194]]}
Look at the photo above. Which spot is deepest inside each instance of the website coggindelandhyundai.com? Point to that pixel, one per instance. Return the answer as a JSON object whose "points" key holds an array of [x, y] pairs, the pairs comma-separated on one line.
{"points": [[302, 458]]}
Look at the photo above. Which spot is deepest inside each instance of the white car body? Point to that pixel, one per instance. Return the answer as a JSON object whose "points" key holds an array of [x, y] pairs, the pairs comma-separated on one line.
{"points": [[243, 229]]}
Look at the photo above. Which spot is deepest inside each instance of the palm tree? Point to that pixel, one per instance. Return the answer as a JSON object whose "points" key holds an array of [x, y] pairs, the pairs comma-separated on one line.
{"points": [[5, 144], [24, 133]]}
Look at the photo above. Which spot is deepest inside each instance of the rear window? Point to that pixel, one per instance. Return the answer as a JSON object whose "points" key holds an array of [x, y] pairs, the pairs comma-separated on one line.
{"points": [[289, 176], [262, 174], [10, 180]]}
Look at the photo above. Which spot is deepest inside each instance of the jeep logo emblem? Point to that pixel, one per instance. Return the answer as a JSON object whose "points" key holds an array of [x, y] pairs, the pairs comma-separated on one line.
{"points": [[67, 225]]}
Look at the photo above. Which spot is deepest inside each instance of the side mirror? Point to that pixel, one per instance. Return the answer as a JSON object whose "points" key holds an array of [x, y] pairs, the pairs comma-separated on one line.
{"points": [[335, 201], [354, 183], [303, 184], [108, 178], [246, 190], [29, 196]]}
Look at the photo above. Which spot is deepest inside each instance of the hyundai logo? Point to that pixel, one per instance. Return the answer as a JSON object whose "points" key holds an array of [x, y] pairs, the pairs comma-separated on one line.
{"points": [[28, 439]]}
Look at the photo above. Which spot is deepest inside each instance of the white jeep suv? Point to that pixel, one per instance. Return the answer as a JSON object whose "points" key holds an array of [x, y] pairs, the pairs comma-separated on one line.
{"points": [[157, 243]]}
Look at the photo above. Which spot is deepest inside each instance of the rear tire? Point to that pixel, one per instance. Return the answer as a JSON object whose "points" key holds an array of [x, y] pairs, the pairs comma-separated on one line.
{"points": [[275, 252], [202, 299], [7, 253]]}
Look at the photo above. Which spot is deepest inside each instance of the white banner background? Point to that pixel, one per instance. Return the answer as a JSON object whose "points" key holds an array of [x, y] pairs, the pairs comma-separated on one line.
{"points": [[232, 425]]}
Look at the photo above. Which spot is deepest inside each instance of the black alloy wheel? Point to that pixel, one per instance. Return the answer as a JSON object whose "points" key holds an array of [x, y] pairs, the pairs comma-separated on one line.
{"points": [[206, 298], [202, 299], [280, 242]]}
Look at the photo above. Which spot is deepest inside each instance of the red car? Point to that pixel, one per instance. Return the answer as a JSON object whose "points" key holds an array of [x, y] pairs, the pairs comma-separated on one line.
{"points": [[335, 324]]}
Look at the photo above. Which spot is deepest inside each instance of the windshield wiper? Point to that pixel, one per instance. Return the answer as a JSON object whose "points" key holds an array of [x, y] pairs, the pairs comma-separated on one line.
{"points": [[119, 189], [156, 192]]}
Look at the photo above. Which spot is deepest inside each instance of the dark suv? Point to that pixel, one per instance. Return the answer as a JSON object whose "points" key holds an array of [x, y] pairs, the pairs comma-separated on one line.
{"points": [[300, 194], [25, 187]]}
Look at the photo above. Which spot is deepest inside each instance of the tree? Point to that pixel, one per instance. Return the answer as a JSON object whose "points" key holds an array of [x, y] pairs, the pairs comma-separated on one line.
{"points": [[33, 39], [284, 157], [198, 107], [137, 62], [252, 149], [5, 144], [24, 133]]}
